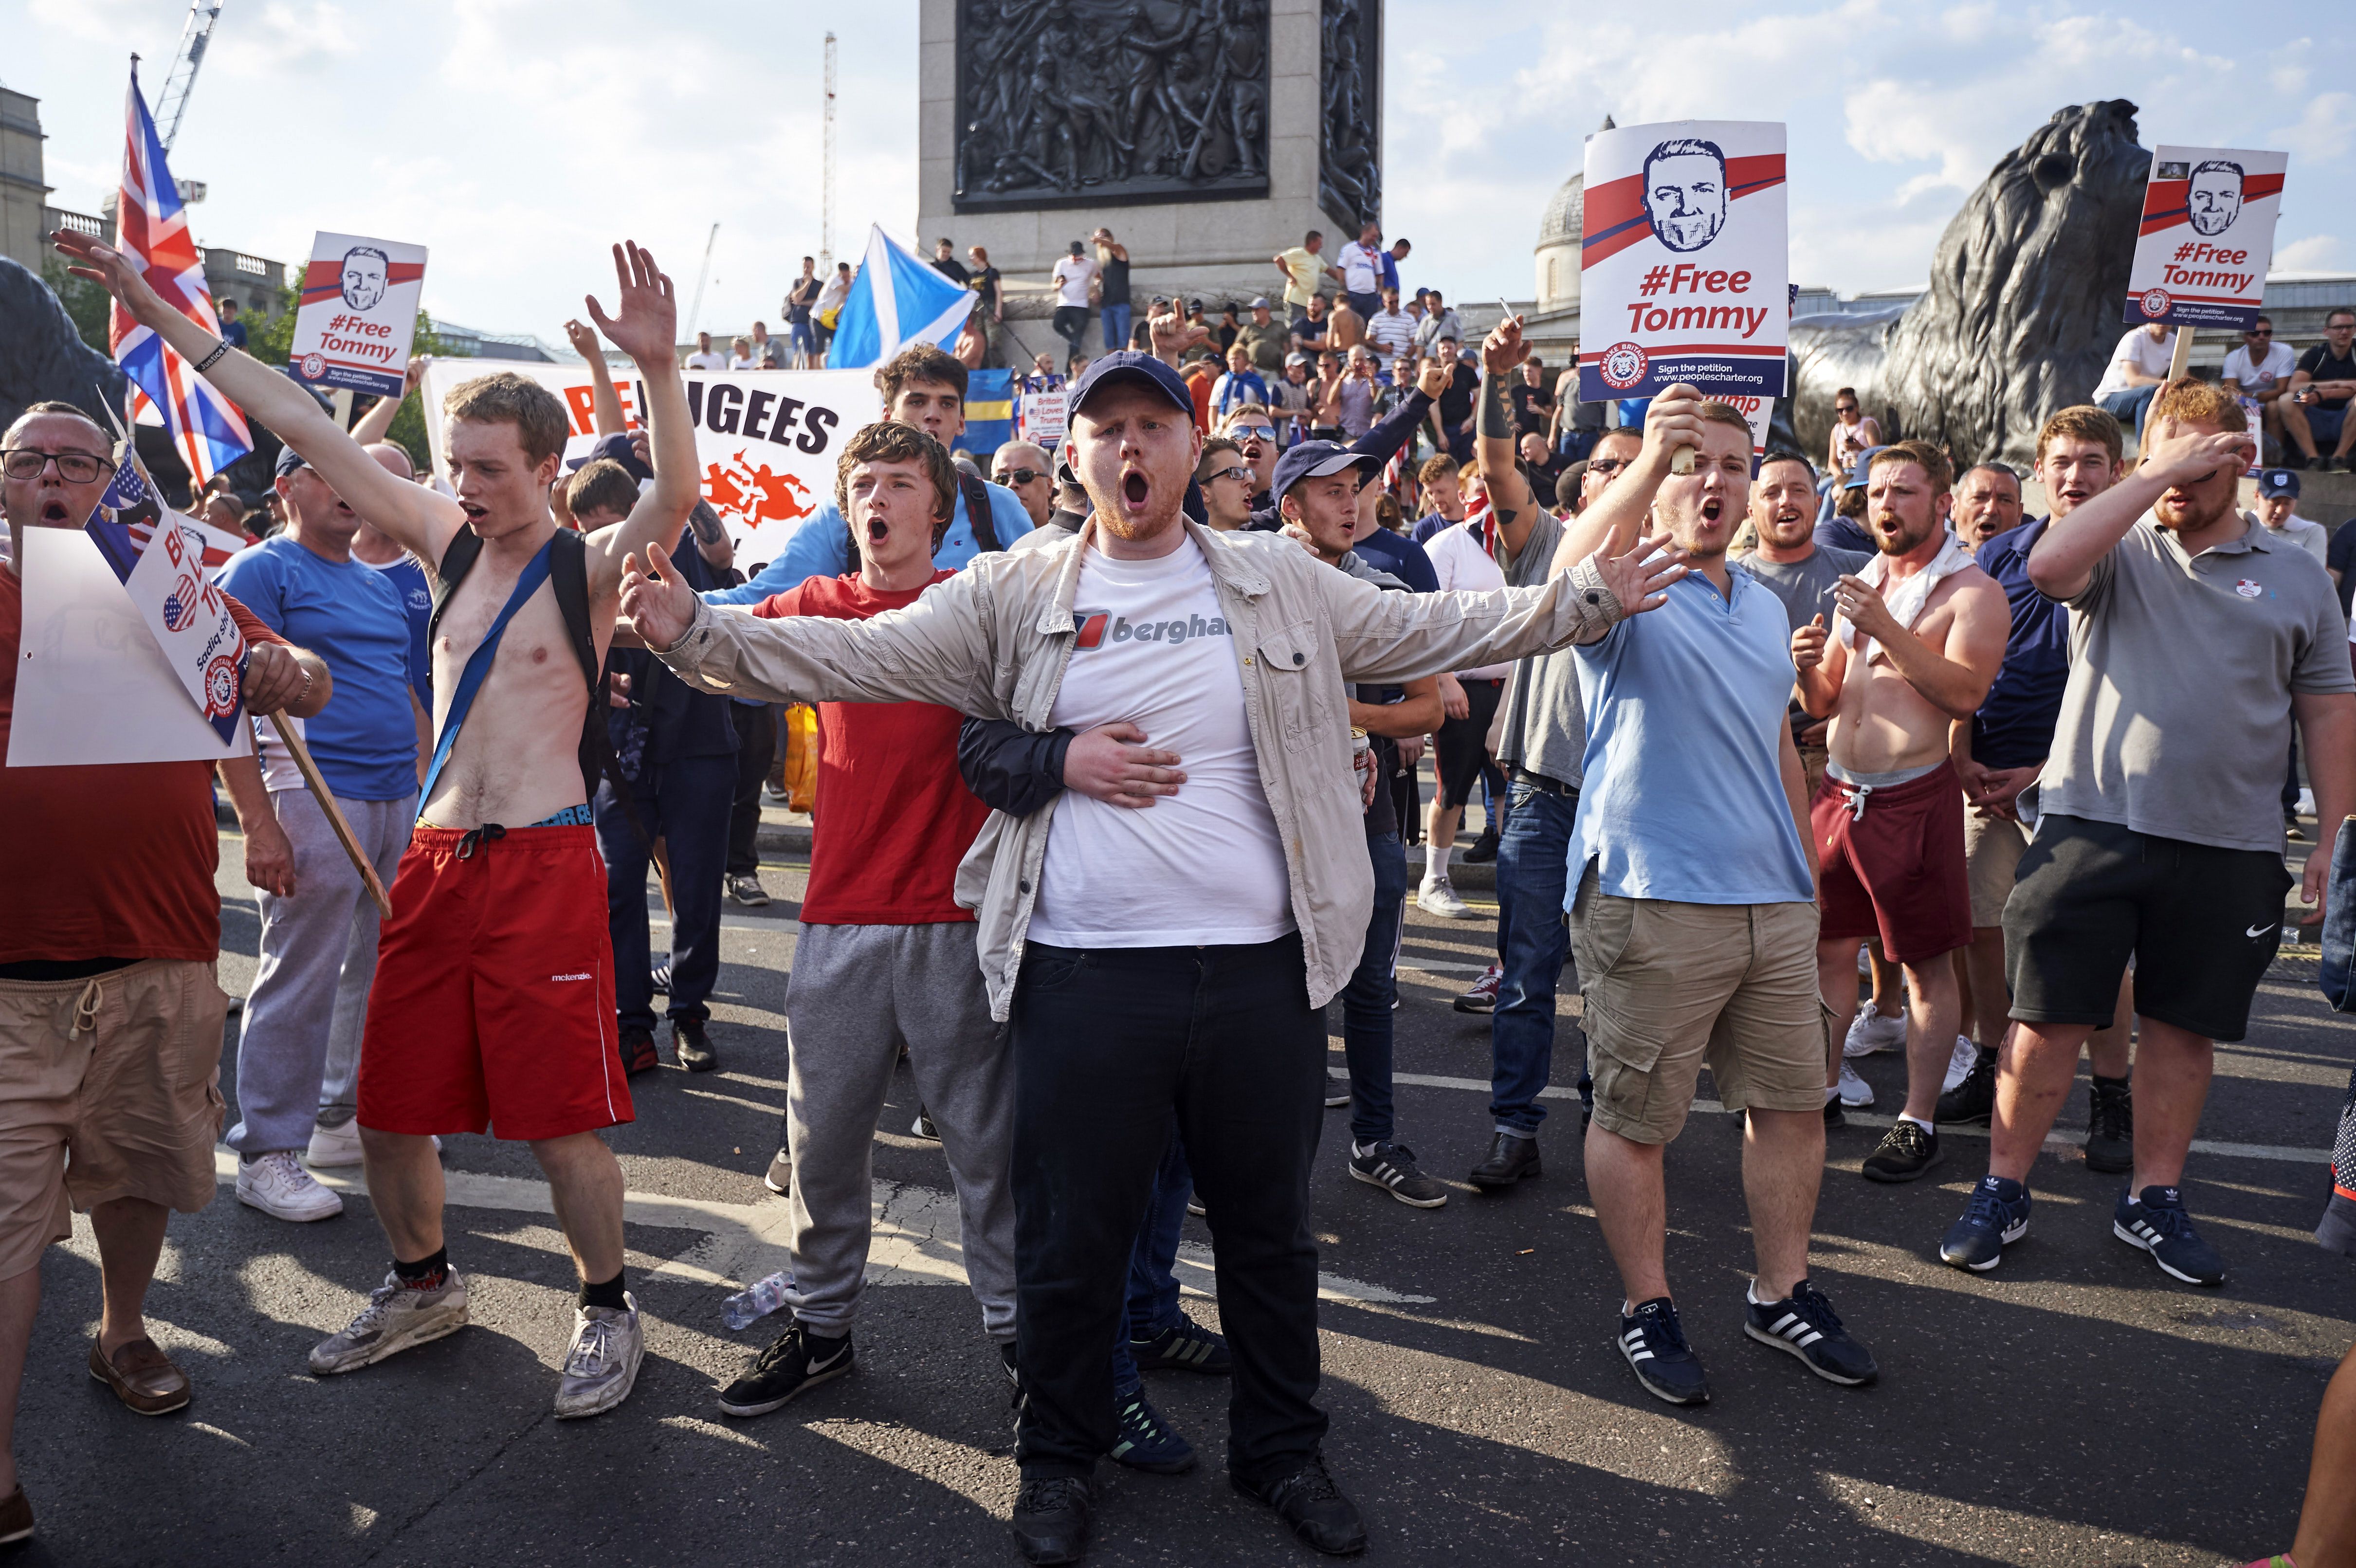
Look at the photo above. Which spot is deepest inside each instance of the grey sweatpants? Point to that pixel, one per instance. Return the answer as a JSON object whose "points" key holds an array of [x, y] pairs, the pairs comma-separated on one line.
{"points": [[312, 969], [856, 993]]}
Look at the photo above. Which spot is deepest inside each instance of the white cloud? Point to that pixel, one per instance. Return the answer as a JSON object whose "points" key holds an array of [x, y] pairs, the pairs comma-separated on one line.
{"points": [[2316, 253], [2323, 130]]}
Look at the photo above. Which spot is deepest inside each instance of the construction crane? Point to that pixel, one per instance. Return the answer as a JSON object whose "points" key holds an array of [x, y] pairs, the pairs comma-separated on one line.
{"points": [[195, 34], [826, 194], [703, 276]]}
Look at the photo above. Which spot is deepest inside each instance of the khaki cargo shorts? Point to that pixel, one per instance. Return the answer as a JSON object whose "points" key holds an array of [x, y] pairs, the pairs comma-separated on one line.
{"points": [[109, 1088], [1992, 849], [1670, 986]]}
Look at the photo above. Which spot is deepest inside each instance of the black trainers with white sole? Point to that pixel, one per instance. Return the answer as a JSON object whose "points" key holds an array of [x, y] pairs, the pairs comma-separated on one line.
{"points": [[1652, 1342], [2158, 1223], [1805, 1324], [1392, 1167], [797, 1363]]}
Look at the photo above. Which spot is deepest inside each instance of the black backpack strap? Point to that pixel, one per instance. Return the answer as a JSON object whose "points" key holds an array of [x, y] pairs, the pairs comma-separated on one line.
{"points": [[977, 512], [568, 572], [457, 560]]}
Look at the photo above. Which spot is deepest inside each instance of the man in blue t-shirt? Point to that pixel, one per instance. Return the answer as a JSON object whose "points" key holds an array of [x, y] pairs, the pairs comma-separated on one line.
{"points": [[923, 387], [311, 981], [1694, 922]]}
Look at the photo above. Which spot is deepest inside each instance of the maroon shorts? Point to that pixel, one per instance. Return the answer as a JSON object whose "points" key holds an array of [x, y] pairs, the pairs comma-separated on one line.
{"points": [[493, 1006], [1891, 865]]}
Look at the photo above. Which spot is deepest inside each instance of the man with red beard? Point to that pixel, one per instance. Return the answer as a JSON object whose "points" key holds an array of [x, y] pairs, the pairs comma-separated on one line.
{"points": [[1914, 644]]}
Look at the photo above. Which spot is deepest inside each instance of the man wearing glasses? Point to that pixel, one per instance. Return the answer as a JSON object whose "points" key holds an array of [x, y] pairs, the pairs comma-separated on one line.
{"points": [[2260, 371], [1027, 471]]}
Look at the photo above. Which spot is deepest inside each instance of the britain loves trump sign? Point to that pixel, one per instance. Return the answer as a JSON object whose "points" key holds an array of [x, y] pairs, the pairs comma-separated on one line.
{"points": [[1683, 261]]}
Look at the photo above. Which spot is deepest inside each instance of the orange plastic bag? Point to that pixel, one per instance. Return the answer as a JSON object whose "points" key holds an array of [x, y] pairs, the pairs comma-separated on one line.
{"points": [[801, 758]]}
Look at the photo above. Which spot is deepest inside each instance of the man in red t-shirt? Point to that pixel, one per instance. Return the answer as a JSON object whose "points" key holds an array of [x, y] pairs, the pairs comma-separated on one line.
{"points": [[886, 958], [110, 1016]]}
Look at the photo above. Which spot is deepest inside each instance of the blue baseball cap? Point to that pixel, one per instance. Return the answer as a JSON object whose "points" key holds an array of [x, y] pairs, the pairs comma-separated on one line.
{"points": [[1313, 461], [2276, 483], [1857, 475], [1131, 365], [289, 460]]}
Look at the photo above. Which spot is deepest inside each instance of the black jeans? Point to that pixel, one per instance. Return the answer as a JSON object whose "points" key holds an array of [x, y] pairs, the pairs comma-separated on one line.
{"points": [[1107, 1042], [757, 743], [1071, 323], [685, 802]]}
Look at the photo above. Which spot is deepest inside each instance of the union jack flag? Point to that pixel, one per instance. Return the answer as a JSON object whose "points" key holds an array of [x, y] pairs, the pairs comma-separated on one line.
{"points": [[152, 230]]}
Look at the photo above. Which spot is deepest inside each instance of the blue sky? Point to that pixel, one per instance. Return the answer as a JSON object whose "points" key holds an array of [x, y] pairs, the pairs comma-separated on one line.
{"points": [[514, 137]]}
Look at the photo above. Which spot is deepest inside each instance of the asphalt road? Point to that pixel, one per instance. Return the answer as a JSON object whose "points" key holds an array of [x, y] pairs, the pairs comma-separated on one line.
{"points": [[2077, 1407]]}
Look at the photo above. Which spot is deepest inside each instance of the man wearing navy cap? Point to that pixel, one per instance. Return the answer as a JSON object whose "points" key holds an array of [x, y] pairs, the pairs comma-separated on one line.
{"points": [[2277, 494], [1172, 955]]}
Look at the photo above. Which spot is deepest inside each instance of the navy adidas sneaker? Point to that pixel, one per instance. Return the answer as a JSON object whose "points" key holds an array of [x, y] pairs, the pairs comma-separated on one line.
{"points": [[1652, 1342], [2158, 1223], [1805, 1324], [1143, 1439], [1997, 1217]]}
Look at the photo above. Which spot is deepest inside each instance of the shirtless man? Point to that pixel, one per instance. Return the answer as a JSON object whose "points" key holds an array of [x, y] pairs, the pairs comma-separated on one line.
{"points": [[518, 911], [1915, 645]]}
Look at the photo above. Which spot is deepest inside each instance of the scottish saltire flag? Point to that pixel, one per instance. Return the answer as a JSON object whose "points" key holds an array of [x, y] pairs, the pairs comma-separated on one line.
{"points": [[897, 300], [151, 228], [989, 411]]}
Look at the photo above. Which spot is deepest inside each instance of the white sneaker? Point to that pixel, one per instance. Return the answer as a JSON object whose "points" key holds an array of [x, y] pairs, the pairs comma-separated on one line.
{"points": [[332, 1147], [602, 1365], [277, 1185], [1959, 1065], [1871, 1032], [1855, 1092], [395, 1318], [1440, 899]]}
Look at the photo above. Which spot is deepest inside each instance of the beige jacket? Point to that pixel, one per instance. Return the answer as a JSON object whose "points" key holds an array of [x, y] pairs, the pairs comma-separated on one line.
{"points": [[993, 643]]}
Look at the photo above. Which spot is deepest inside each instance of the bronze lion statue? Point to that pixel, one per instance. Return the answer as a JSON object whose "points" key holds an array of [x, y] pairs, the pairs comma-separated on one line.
{"points": [[2023, 309]]}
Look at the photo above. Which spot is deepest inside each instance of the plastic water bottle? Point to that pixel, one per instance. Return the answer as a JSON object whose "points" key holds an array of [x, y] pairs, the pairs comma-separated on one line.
{"points": [[763, 1297]]}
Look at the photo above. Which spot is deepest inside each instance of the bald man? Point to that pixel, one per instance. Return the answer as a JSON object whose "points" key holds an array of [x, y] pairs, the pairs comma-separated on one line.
{"points": [[1027, 471]]}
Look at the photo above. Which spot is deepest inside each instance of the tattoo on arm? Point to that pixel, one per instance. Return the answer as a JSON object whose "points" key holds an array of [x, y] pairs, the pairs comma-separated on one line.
{"points": [[706, 524], [1497, 422]]}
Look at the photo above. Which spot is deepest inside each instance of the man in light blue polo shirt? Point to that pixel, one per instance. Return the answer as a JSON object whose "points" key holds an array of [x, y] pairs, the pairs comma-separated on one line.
{"points": [[306, 583], [1694, 918], [923, 387]]}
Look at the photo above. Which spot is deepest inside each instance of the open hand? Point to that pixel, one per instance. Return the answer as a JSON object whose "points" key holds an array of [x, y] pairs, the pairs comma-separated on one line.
{"points": [[2182, 457], [656, 600], [646, 323], [1113, 763], [1640, 580], [112, 271], [1808, 646]]}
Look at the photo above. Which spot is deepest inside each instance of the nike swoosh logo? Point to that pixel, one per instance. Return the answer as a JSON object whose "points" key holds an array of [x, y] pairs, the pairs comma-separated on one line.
{"points": [[831, 1360], [2259, 931]]}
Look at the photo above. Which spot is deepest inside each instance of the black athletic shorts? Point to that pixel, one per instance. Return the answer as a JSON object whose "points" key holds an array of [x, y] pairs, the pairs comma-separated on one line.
{"points": [[2203, 923], [1459, 747]]}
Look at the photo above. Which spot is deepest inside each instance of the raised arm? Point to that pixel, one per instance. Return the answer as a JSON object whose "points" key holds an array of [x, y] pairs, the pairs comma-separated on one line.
{"points": [[645, 327], [1616, 519], [605, 402], [377, 423], [2062, 563], [418, 518], [1385, 438], [1510, 500]]}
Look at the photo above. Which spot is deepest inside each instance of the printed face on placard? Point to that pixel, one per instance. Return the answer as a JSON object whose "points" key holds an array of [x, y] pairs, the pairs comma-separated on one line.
{"points": [[2214, 198], [1685, 193], [364, 278]]}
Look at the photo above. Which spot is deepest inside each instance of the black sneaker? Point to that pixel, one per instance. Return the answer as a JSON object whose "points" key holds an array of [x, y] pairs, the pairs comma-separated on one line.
{"points": [[2158, 1223], [638, 1052], [1051, 1519], [798, 1361], [1144, 1440], [1834, 1115], [1907, 1151], [1311, 1507], [691, 1045], [2110, 1129], [1484, 848], [659, 978], [1805, 1325], [1971, 1104], [1652, 1342], [1391, 1166], [1337, 1095], [780, 1178], [1184, 1346], [746, 890], [1013, 1373], [1997, 1217], [1510, 1160]]}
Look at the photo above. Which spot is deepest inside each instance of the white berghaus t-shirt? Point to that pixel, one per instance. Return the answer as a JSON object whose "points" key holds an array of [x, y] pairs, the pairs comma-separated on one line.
{"points": [[1204, 866]]}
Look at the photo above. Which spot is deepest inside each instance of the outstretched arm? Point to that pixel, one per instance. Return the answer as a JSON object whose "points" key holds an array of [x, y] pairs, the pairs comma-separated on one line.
{"points": [[419, 519], [1617, 518], [645, 327]]}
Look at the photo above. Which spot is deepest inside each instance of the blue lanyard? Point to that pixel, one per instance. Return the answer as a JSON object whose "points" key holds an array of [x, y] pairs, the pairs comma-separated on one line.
{"points": [[478, 665]]}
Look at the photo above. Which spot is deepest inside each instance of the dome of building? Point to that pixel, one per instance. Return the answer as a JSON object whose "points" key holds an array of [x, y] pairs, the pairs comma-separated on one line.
{"points": [[1559, 230], [1564, 215]]}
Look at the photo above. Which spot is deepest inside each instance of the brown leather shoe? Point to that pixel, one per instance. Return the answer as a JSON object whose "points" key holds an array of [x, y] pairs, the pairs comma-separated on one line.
{"points": [[15, 1517], [142, 1377]]}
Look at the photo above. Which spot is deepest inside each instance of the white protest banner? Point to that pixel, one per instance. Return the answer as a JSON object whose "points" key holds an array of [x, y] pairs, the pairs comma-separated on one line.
{"points": [[1684, 266], [93, 684], [768, 439], [1041, 416], [2207, 236], [358, 313]]}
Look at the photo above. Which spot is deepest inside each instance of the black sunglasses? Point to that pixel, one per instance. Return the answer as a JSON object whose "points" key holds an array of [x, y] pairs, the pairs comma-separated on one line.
{"points": [[1606, 464], [1016, 476]]}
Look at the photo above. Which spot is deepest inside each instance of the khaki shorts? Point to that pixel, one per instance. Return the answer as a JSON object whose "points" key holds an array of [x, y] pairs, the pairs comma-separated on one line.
{"points": [[1670, 985], [1992, 849], [120, 1073]]}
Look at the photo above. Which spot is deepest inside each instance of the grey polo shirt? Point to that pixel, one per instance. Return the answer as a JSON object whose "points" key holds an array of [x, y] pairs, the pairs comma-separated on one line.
{"points": [[2177, 716], [1545, 729]]}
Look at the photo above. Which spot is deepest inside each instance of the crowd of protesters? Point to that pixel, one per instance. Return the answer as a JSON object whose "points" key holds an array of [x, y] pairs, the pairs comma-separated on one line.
{"points": [[1101, 879]]}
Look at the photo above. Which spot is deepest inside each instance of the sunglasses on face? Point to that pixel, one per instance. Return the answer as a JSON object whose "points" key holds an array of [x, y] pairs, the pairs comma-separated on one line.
{"points": [[2259, 332], [1015, 476], [1844, 408], [1606, 464], [1251, 431], [74, 468]]}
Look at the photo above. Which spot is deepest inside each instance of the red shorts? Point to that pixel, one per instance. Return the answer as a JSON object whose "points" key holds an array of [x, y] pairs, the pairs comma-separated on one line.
{"points": [[493, 1006], [1894, 867]]}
